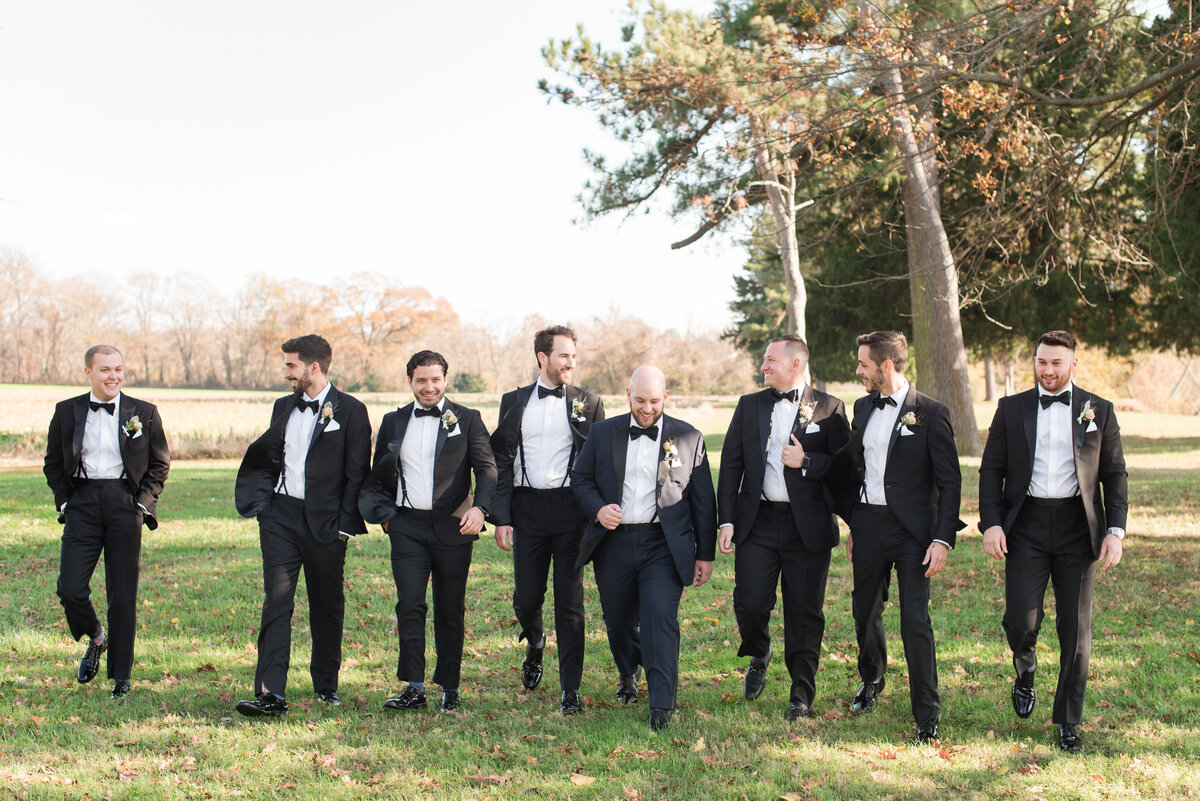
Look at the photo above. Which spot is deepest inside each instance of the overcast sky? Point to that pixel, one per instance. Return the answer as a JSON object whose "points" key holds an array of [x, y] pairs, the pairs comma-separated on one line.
{"points": [[315, 139]]}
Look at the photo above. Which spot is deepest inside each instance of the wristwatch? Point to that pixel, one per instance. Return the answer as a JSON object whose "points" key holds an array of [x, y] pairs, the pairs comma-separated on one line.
{"points": [[1119, 533], [805, 462]]}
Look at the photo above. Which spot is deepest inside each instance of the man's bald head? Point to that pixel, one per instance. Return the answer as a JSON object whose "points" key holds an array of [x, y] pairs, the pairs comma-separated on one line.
{"points": [[647, 393]]}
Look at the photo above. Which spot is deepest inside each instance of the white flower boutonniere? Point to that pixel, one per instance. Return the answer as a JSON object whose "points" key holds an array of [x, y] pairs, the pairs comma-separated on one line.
{"points": [[909, 420], [1087, 414], [449, 420], [578, 410], [132, 427], [327, 411], [805, 415], [671, 453]]}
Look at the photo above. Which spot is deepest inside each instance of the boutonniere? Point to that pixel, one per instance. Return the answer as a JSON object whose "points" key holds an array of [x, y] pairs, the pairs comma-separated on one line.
{"points": [[449, 420], [132, 427], [909, 420], [805, 416], [671, 453], [578, 410], [1087, 414], [327, 411]]}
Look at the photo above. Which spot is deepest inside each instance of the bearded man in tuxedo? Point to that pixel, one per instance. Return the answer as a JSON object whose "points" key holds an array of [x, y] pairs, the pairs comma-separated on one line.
{"points": [[301, 479], [644, 483], [542, 426], [106, 462], [1052, 505]]}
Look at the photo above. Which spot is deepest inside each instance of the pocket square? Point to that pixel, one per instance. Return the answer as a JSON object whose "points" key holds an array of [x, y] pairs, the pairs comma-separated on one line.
{"points": [[907, 432], [454, 432], [1091, 427], [138, 433], [813, 428], [332, 425]]}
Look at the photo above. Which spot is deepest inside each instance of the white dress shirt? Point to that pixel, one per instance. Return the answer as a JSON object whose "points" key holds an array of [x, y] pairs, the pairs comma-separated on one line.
{"points": [[639, 493], [1054, 451], [101, 453], [296, 438], [783, 417], [876, 438], [545, 442], [416, 459]]}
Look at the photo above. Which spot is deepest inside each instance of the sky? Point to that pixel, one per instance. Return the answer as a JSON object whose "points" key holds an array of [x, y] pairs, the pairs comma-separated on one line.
{"points": [[310, 140]]}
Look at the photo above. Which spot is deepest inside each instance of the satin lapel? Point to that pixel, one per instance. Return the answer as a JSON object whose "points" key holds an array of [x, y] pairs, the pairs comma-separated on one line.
{"points": [[403, 416], [765, 407], [442, 433], [663, 469], [124, 415], [620, 446], [1077, 428], [806, 397], [330, 397], [512, 418], [1029, 415], [909, 405], [81, 413], [571, 394]]}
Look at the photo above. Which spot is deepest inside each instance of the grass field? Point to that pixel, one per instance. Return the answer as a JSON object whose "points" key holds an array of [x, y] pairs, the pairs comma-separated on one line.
{"points": [[176, 735]]}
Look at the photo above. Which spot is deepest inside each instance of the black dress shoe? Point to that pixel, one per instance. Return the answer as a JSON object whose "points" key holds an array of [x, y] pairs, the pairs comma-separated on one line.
{"points": [[627, 689], [1068, 738], [1024, 697], [329, 698], [797, 710], [864, 699], [659, 718], [531, 668], [412, 697], [569, 703], [927, 733], [90, 664], [756, 676], [120, 689], [450, 701], [266, 705]]}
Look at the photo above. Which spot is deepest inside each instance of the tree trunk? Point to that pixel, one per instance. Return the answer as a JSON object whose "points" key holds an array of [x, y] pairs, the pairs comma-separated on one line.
{"points": [[782, 199], [989, 379]]}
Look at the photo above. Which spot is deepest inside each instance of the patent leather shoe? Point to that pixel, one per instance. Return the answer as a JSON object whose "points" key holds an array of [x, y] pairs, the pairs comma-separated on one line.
{"points": [[531, 668], [1068, 738], [659, 718], [266, 705], [412, 697], [797, 710], [450, 701], [756, 676], [927, 733], [627, 689], [569, 703], [1024, 697], [89, 665], [864, 699], [329, 698], [120, 689]]}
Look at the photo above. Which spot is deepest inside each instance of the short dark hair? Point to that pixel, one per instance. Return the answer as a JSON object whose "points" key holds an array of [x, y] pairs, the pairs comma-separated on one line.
{"points": [[1064, 339], [311, 348], [543, 341], [795, 344], [424, 358], [885, 345], [89, 355]]}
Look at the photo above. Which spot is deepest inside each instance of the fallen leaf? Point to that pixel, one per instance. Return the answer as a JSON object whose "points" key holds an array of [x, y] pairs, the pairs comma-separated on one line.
{"points": [[580, 780], [698, 746]]}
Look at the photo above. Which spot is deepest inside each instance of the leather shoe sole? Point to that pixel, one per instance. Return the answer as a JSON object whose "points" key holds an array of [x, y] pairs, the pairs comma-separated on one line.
{"points": [[89, 665], [864, 699], [1024, 696]]}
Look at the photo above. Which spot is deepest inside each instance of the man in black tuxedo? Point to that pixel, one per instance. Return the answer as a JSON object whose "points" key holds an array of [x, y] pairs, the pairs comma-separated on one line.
{"points": [[1052, 499], [542, 426], [419, 490], [899, 492], [776, 510], [106, 462], [644, 483], [301, 479]]}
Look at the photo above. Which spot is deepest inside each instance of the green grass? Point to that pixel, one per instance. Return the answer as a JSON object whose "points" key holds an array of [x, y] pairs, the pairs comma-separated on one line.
{"points": [[176, 735]]}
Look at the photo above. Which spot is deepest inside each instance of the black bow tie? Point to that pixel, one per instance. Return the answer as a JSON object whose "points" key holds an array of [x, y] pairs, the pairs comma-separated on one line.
{"points": [[111, 408], [789, 396], [302, 404], [556, 392], [432, 411], [650, 432], [879, 401], [1063, 398]]}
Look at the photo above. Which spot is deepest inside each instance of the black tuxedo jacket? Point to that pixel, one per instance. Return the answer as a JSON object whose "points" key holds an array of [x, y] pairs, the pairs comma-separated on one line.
{"points": [[144, 453], [743, 466], [455, 457], [687, 506], [507, 439], [1007, 464], [922, 480], [337, 463]]}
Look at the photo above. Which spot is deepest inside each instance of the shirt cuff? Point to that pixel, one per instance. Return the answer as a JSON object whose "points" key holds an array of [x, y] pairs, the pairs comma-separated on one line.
{"points": [[63, 508], [344, 535], [723, 525], [1117, 532], [943, 542], [145, 511]]}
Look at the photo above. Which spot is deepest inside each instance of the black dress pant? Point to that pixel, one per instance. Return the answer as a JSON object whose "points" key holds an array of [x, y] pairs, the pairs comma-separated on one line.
{"points": [[1050, 541], [287, 546], [417, 555], [548, 527], [881, 544], [639, 591], [102, 517], [774, 549]]}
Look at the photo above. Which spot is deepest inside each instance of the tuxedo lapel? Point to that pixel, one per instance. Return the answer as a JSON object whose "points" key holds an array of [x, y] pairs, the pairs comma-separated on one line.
{"points": [[1029, 415], [442, 433], [664, 467], [806, 397], [909, 405], [124, 415], [765, 407], [571, 394], [620, 447], [81, 413], [1077, 427], [330, 397]]}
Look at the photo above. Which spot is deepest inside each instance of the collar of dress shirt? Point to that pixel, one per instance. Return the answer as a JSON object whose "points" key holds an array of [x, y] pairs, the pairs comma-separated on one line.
{"points": [[539, 383], [320, 399], [633, 423], [441, 406], [900, 394], [1070, 387], [93, 399]]}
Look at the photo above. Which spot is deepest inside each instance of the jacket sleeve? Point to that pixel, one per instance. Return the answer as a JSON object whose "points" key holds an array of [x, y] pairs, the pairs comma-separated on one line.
{"points": [[733, 465], [703, 503], [838, 436], [993, 469], [504, 451], [1112, 474], [479, 452], [53, 464], [157, 467], [947, 475], [357, 466], [583, 478]]}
